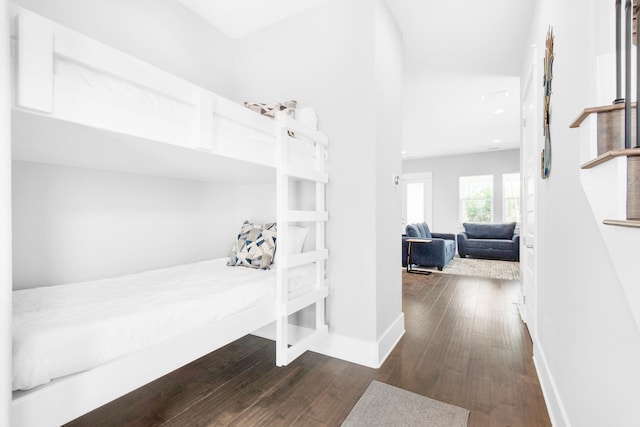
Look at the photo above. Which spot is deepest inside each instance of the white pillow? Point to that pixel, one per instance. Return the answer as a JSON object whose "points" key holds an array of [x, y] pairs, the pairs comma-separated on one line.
{"points": [[297, 236], [295, 240]]}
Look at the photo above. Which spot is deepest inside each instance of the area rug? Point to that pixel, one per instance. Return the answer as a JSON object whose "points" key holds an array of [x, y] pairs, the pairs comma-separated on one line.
{"points": [[492, 269], [386, 405]]}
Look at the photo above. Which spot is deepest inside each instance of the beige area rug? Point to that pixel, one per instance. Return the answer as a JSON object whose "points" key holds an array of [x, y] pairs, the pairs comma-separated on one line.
{"points": [[492, 269], [386, 405]]}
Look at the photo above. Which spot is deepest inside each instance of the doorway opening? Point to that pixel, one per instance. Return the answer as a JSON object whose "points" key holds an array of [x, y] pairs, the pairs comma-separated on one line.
{"points": [[417, 199]]}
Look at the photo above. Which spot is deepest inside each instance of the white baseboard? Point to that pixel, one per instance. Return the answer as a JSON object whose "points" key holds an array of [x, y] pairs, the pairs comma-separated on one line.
{"points": [[366, 353], [390, 338], [350, 349], [555, 407]]}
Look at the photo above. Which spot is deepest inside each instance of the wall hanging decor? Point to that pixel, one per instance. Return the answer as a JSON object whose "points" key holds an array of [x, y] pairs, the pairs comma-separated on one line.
{"points": [[545, 166]]}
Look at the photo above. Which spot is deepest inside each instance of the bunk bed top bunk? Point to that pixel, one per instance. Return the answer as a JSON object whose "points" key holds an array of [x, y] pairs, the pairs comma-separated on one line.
{"points": [[106, 102], [42, 139], [78, 102]]}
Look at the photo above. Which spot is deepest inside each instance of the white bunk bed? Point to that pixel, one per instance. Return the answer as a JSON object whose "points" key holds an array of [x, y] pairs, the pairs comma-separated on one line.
{"points": [[80, 103]]}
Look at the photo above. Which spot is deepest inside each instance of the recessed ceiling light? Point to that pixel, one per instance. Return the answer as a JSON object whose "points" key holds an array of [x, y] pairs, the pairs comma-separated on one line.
{"points": [[403, 152], [497, 141], [498, 111]]}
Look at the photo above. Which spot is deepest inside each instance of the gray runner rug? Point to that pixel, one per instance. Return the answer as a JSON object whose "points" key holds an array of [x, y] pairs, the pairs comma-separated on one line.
{"points": [[386, 405]]}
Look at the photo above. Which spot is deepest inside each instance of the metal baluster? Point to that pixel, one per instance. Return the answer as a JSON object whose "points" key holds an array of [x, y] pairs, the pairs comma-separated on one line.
{"points": [[627, 49], [619, 99], [637, 74]]}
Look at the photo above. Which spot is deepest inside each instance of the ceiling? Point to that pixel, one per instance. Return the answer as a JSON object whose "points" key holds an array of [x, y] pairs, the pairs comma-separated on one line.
{"points": [[477, 36], [239, 18], [462, 60]]}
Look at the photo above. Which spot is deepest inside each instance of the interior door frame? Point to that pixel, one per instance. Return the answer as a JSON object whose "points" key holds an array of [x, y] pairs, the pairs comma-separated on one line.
{"points": [[5, 218], [428, 201], [528, 165]]}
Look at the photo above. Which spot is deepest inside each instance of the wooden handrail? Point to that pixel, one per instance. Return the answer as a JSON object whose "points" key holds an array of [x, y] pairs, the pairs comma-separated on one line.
{"points": [[609, 155], [622, 223], [603, 109]]}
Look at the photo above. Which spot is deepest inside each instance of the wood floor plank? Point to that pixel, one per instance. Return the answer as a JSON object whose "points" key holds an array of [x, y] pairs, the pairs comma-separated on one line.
{"points": [[285, 402], [464, 344], [178, 390]]}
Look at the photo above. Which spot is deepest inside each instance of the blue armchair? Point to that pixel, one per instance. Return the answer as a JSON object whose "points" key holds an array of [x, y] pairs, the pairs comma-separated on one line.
{"points": [[438, 253]]}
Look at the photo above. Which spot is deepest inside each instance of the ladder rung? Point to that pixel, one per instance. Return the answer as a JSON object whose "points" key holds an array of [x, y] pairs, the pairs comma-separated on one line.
{"points": [[306, 216], [296, 171], [306, 300], [291, 261], [302, 292]]}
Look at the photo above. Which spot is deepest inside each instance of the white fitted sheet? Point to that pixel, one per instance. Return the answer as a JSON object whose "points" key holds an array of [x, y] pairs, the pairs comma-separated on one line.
{"points": [[65, 329]]}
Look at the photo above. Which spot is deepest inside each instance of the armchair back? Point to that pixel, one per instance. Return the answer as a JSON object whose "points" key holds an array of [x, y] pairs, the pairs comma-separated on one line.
{"points": [[420, 230]]}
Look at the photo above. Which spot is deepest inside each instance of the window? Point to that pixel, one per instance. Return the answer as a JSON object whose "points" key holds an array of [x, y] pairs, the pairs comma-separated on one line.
{"points": [[511, 197], [476, 198], [415, 202]]}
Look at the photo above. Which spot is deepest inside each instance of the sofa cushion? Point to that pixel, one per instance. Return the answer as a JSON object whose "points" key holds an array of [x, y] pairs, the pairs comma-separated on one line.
{"points": [[489, 231], [412, 231], [426, 233], [498, 244], [418, 230]]}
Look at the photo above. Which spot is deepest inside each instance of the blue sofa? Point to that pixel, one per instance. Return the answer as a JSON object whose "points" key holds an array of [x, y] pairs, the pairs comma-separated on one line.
{"points": [[491, 241], [438, 253]]}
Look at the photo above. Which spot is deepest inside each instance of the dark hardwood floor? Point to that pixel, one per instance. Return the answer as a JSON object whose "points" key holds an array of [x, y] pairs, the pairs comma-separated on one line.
{"points": [[464, 344]]}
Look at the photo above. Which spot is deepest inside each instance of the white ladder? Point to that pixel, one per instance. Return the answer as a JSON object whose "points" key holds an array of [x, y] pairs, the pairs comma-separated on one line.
{"points": [[292, 340]]}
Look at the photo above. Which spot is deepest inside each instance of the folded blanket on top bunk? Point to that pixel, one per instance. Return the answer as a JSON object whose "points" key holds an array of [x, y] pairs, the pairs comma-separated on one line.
{"points": [[64, 329]]}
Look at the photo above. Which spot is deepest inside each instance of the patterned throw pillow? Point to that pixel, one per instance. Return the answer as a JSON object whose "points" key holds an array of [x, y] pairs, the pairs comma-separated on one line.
{"points": [[270, 110], [255, 246]]}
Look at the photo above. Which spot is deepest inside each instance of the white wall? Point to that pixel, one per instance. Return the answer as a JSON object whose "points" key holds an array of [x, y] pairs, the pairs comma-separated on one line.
{"points": [[389, 89], [255, 203], [5, 219], [161, 32], [446, 173], [588, 345], [75, 224], [326, 58]]}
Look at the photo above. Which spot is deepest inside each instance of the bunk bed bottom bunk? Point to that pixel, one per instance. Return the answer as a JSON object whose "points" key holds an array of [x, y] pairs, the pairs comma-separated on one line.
{"points": [[187, 313]]}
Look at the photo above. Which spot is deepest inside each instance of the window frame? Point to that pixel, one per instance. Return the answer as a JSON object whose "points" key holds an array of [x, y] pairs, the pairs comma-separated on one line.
{"points": [[462, 202], [518, 199]]}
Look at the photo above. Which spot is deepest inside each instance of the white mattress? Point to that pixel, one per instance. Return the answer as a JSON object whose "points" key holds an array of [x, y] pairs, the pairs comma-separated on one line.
{"points": [[60, 330]]}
